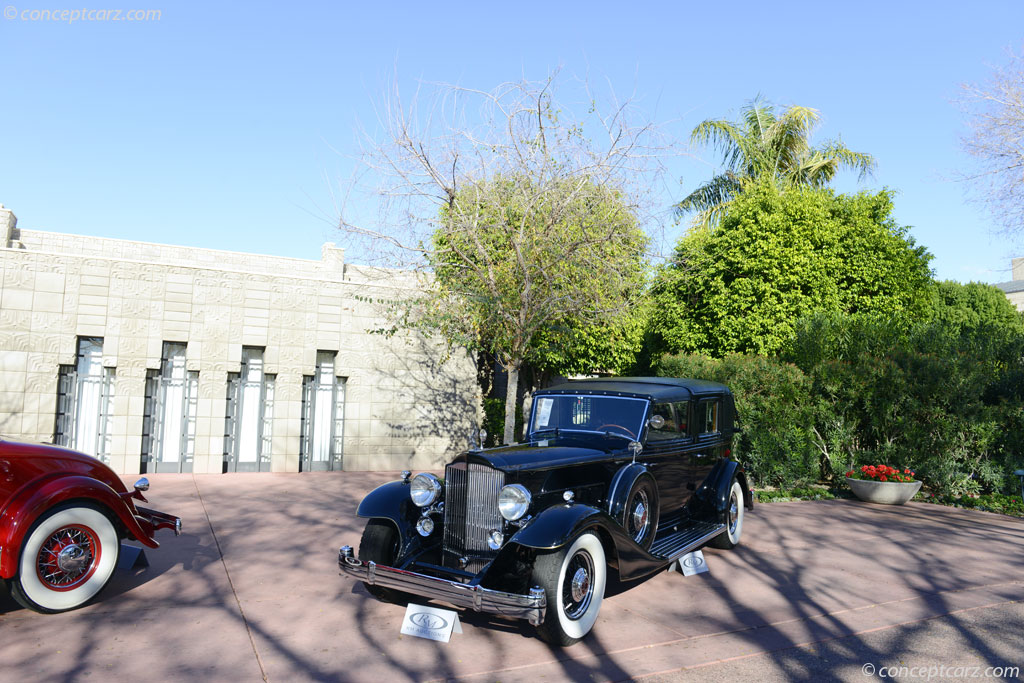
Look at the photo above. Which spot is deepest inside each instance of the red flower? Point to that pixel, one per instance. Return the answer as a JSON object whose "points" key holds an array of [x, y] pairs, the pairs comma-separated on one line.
{"points": [[884, 478]]}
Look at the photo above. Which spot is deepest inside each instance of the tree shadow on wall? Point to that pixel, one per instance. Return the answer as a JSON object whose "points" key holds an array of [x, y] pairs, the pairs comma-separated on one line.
{"points": [[440, 395]]}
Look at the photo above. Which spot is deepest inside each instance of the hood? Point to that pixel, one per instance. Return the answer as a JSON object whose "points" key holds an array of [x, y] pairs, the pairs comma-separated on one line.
{"points": [[550, 453]]}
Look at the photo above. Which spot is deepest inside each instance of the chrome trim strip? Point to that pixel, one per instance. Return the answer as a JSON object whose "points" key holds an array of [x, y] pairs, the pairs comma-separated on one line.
{"points": [[531, 607]]}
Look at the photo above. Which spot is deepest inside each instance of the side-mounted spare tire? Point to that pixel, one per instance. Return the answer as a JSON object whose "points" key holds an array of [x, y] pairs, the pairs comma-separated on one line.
{"points": [[640, 514]]}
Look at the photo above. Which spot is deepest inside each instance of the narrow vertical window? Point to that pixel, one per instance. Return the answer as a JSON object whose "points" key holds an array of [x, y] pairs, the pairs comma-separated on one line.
{"points": [[249, 417], [84, 397], [709, 417], [169, 425], [323, 415]]}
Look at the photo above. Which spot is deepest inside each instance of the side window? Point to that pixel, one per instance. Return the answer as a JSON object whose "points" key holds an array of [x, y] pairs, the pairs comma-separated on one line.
{"points": [[666, 431], [682, 417], [707, 415]]}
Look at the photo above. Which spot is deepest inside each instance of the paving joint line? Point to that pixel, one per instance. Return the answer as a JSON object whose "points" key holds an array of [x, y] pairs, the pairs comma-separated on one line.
{"points": [[227, 572]]}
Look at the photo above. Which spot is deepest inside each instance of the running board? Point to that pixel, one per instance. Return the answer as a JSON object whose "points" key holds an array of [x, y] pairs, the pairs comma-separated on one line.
{"points": [[690, 535]]}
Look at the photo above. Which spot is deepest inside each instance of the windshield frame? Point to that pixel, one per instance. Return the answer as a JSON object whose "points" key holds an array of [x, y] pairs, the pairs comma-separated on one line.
{"points": [[533, 430]]}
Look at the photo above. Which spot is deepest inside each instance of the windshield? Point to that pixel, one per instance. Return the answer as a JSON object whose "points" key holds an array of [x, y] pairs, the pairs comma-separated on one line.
{"points": [[616, 415]]}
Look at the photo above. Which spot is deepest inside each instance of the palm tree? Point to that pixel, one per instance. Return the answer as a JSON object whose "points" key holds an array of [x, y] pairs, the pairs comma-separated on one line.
{"points": [[765, 145]]}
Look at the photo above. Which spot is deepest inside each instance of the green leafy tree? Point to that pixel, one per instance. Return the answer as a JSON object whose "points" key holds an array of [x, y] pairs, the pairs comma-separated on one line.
{"points": [[522, 271], [520, 219], [778, 256], [765, 144]]}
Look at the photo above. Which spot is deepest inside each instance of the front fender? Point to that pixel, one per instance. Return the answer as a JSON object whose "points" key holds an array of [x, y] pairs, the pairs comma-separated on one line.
{"points": [[556, 526], [36, 498], [390, 501]]}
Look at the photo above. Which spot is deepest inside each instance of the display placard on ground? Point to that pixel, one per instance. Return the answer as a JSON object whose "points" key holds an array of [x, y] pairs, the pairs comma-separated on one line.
{"points": [[430, 622], [690, 564]]}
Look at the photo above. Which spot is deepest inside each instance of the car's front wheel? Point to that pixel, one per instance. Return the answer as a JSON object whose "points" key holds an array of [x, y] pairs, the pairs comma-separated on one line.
{"points": [[573, 578], [66, 560], [380, 543]]}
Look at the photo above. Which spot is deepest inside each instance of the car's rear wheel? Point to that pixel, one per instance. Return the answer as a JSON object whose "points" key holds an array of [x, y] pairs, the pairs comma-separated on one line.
{"points": [[67, 558], [573, 578], [732, 517], [380, 544]]}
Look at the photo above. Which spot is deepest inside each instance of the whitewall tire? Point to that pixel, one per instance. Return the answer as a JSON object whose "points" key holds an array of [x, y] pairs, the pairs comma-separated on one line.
{"points": [[66, 560], [732, 518], [573, 578]]}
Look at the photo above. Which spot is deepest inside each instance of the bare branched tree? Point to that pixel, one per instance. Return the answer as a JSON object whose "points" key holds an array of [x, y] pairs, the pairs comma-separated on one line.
{"points": [[522, 217], [996, 140]]}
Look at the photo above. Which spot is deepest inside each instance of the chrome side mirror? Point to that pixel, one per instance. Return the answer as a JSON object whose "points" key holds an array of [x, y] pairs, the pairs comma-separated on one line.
{"points": [[635, 448], [142, 484]]}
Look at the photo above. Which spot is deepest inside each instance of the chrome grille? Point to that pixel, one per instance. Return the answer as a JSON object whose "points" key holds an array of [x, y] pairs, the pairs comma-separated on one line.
{"points": [[470, 509]]}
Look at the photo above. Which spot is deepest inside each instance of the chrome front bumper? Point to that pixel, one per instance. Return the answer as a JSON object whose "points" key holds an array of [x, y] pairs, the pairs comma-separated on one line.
{"points": [[531, 607]]}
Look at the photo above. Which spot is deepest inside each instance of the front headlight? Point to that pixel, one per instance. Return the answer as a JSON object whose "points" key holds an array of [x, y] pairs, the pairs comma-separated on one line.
{"points": [[513, 501], [425, 489]]}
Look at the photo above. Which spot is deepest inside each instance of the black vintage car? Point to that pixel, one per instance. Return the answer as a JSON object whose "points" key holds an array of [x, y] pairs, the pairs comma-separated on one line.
{"points": [[627, 473]]}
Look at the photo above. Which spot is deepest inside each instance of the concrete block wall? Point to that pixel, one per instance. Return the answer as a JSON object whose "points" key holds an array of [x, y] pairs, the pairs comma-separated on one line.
{"points": [[404, 406]]}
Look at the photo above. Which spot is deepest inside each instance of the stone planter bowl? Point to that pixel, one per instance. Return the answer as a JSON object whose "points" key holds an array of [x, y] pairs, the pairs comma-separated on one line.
{"points": [[886, 492]]}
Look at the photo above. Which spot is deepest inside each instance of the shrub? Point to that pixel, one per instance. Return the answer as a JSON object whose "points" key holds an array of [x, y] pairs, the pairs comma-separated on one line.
{"points": [[940, 401], [776, 413]]}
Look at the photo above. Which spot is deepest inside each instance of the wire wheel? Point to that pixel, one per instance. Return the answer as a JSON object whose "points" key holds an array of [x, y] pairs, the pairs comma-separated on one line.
{"points": [[68, 558]]}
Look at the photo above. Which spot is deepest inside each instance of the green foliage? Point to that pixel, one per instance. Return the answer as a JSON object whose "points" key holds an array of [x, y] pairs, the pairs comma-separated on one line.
{"points": [[582, 347], [940, 401], [778, 256], [776, 410], [795, 493], [494, 420], [537, 270], [968, 307], [522, 269], [991, 502], [765, 145]]}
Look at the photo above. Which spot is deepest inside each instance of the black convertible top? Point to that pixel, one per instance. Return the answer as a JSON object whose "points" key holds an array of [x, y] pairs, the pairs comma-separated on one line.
{"points": [[656, 388]]}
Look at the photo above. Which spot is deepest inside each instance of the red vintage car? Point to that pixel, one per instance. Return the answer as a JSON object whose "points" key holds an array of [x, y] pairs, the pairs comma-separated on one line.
{"points": [[62, 517]]}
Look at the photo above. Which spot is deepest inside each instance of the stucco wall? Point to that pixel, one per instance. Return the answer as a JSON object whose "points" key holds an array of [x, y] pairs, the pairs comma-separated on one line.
{"points": [[407, 404]]}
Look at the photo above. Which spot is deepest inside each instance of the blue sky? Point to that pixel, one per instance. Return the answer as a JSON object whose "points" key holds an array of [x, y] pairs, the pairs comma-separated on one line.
{"points": [[226, 126]]}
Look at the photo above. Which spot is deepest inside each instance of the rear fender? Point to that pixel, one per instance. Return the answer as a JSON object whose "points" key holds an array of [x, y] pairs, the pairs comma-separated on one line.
{"points": [[712, 497], [34, 500]]}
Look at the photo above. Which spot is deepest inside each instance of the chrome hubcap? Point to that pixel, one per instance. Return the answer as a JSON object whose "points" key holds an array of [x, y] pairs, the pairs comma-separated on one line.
{"points": [[72, 559], [734, 514], [68, 558], [578, 587], [640, 516], [580, 584]]}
